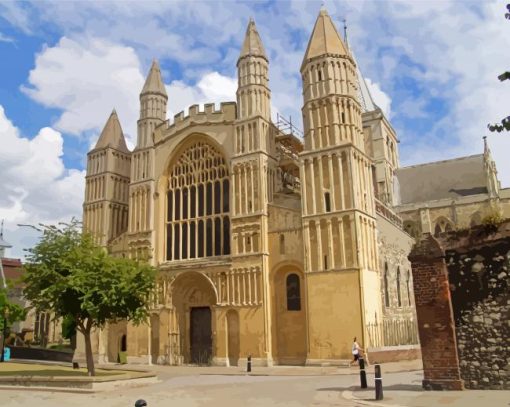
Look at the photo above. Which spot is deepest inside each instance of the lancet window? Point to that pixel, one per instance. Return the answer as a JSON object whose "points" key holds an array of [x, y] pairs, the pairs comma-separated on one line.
{"points": [[197, 218], [293, 293]]}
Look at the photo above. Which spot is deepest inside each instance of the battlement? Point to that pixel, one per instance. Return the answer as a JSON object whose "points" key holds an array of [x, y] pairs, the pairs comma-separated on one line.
{"points": [[226, 113]]}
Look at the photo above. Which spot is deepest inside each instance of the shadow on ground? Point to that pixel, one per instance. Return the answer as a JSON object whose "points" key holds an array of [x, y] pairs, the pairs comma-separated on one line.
{"points": [[398, 387], [334, 388]]}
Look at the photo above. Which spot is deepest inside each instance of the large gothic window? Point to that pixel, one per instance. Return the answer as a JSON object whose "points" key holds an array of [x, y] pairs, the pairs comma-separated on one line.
{"points": [[197, 219]]}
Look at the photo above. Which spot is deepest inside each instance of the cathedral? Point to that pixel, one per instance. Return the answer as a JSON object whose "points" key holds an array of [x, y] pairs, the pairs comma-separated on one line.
{"points": [[267, 243]]}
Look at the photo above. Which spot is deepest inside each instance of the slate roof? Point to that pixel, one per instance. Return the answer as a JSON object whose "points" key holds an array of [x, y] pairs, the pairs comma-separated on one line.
{"points": [[454, 178]]}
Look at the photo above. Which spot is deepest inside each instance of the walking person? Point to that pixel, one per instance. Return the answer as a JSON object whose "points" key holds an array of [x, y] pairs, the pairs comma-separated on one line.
{"points": [[355, 351]]}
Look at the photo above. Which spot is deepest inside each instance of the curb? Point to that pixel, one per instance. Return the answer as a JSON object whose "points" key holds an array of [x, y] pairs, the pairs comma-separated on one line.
{"points": [[348, 395], [50, 389]]}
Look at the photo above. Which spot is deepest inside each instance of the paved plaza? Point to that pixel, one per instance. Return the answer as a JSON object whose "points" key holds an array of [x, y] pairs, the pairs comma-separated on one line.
{"points": [[278, 386]]}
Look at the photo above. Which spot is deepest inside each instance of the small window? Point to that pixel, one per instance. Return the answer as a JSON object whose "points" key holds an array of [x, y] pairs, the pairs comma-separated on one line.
{"points": [[399, 296], [386, 293], [320, 75], [282, 244], [327, 201], [293, 293], [325, 262], [408, 290], [343, 117]]}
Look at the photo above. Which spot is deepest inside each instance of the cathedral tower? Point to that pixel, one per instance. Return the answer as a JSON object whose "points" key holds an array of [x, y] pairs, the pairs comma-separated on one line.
{"points": [[253, 167], [337, 198], [105, 210], [153, 103]]}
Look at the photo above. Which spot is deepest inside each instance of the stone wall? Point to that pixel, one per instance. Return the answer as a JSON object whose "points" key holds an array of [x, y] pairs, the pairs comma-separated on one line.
{"points": [[461, 287], [478, 277]]}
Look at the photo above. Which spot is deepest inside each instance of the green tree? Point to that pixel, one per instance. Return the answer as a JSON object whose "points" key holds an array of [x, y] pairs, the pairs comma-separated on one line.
{"points": [[505, 123], [68, 327], [14, 311], [68, 274]]}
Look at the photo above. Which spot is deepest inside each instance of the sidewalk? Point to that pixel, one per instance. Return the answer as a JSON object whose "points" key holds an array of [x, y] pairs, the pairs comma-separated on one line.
{"points": [[405, 390]]}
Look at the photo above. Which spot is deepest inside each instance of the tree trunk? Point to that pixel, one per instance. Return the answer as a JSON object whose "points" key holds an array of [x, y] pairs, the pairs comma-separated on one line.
{"points": [[88, 353]]}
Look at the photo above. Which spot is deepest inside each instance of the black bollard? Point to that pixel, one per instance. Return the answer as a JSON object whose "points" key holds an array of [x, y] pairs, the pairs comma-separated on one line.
{"points": [[362, 373], [140, 403], [378, 383], [248, 365]]}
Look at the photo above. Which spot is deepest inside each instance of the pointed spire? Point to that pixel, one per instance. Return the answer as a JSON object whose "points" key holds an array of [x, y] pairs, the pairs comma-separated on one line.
{"points": [[325, 39], [365, 98], [345, 34], [154, 83], [252, 44], [486, 150], [112, 135]]}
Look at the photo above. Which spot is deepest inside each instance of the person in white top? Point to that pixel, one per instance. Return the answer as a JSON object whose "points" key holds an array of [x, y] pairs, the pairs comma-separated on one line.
{"points": [[355, 351]]}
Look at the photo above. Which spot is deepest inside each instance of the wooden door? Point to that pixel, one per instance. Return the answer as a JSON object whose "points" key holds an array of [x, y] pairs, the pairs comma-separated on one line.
{"points": [[200, 335]]}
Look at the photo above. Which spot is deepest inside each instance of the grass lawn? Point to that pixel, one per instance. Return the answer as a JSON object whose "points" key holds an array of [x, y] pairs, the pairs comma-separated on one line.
{"points": [[32, 369]]}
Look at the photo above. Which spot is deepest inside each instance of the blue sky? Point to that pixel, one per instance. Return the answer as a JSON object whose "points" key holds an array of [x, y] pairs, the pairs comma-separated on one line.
{"points": [[432, 67]]}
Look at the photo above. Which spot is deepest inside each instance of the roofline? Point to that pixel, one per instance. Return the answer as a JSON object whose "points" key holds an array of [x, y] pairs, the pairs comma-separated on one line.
{"points": [[441, 161]]}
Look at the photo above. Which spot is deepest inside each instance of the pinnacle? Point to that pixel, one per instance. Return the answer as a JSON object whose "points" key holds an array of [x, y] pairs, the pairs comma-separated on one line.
{"points": [[112, 135], [324, 39], [252, 44], [154, 83]]}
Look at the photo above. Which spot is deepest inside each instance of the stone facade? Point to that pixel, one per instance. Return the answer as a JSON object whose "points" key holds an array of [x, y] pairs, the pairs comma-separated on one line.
{"points": [[266, 244], [476, 288]]}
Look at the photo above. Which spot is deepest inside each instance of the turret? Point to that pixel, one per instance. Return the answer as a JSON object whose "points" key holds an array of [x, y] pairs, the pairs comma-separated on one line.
{"points": [[105, 210], [338, 207], [253, 94], [153, 101], [491, 174], [331, 110]]}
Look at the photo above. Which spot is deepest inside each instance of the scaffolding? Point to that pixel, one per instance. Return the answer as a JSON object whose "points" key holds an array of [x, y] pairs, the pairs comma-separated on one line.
{"points": [[286, 127]]}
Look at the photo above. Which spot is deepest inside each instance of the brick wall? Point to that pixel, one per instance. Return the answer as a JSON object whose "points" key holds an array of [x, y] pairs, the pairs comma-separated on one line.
{"points": [[435, 317]]}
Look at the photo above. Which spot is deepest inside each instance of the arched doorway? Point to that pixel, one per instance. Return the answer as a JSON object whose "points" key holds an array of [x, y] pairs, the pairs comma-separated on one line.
{"points": [[289, 308], [233, 342], [193, 296]]}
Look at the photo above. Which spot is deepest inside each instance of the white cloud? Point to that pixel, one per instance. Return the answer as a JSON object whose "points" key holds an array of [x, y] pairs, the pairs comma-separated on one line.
{"points": [[211, 88], [86, 80], [455, 56], [36, 186], [381, 98], [5, 38]]}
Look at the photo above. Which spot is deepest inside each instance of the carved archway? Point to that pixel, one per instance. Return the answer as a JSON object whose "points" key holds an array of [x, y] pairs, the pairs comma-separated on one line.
{"points": [[193, 298]]}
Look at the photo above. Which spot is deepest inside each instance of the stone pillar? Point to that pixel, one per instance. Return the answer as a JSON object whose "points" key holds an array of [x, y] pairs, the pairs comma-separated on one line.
{"points": [[434, 312]]}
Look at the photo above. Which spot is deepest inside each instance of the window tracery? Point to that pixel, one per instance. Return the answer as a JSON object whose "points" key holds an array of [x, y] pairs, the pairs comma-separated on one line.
{"points": [[197, 219]]}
